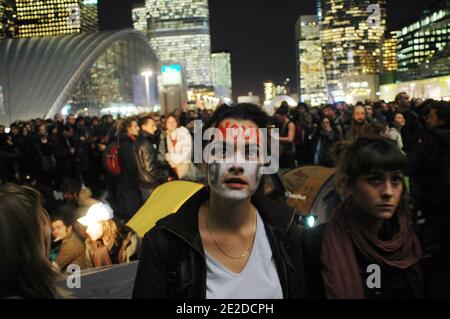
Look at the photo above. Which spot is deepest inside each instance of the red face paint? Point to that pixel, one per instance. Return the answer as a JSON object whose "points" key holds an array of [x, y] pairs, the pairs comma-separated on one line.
{"points": [[239, 132]]}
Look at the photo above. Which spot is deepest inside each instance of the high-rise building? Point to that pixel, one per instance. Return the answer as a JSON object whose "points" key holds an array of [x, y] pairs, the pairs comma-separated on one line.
{"points": [[32, 18], [221, 74], [179, 33], [390, 60], [89, 16], [139, 17], [310, 68], [7, 18], [423, 46], [269, 90], [352, 33]]}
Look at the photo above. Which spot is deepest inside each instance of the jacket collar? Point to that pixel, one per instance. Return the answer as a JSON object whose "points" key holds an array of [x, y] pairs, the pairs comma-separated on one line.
{"points": [[184, 222]]}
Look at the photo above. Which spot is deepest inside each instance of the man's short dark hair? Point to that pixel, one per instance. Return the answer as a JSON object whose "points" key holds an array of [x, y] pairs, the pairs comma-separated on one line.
{"points": [[242, 111], [65, 217], [143, 121], [71, 186]]}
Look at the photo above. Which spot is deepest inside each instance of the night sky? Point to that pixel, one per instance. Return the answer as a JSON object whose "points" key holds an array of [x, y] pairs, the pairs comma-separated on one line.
{"points": [[259, 34]]}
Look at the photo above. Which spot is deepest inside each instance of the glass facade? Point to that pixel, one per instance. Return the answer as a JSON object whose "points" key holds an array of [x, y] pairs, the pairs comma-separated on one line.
{"points": [[269, 90], [139, 18], [352, 33], [310, 67], [221, 74], [179, 33], [423, 46], [390, 60], [7, 19], [114, 83], [33, 18]]}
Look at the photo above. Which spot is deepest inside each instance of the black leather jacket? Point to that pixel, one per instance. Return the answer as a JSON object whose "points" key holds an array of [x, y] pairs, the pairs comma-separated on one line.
{"points": [[173, 263], [150, 172]]}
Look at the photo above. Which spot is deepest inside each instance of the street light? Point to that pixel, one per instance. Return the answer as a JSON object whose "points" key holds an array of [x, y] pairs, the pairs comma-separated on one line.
{"points": [[147, 74]]}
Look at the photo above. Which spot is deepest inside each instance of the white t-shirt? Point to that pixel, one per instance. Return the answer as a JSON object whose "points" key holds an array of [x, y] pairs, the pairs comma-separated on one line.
{"points": [[258, 280]]}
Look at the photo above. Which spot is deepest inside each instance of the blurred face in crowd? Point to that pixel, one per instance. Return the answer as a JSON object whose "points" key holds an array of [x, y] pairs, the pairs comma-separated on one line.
{"points": [[149, 127], [2, 129], [55, 130], [59, 118], [403, 100], [399, 120], [25, 131], [171, 124], [133, 129], [192, 115], [325, 124], [71, 119], [15, 130], [379, 193], [95, 230], [233, 172], [369, 110], [60, 231], [68, 133], [73, 197], [359, 114], [42, 131], [157, 121], [384, 107], [433, 120], [328, 111]]}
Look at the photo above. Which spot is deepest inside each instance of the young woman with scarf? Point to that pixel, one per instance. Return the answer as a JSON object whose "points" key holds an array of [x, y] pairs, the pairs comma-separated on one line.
{"points": [[368, 248]]}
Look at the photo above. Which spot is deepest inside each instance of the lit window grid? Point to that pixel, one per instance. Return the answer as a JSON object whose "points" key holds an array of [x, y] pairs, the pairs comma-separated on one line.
{"points": [[38, 18], [176, 9], [139, 19], [221, 71], [192, 51], [350, 47], [421, 40], [269, 90]]}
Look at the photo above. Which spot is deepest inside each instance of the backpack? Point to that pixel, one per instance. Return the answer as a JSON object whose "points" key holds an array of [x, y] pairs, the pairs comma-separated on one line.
{"points": [[111, 159]]}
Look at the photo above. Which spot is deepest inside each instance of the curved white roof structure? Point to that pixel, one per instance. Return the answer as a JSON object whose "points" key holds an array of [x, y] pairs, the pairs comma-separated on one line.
{"points": [[37, 75]]}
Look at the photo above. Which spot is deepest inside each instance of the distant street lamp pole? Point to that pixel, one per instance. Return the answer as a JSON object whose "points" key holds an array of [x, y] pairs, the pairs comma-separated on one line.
{"points": [[147, 74]]}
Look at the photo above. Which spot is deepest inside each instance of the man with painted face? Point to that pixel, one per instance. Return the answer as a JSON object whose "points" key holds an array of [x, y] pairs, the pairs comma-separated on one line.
{"points": [[226, 241]]}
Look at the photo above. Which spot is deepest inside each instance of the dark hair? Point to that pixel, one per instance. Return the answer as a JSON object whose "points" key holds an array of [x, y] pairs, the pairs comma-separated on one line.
{"points": [[25, 270], [63, 216], [397, 97], [126, 124], [368, 154], [143, 121], [71, 186], [442, 109], [283, 109], [242, 111]]}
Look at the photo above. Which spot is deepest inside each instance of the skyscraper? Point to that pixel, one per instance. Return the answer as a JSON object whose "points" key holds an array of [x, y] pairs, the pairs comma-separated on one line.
{"points": [[89, 16], [221, 74], [310, 68], [139, 17], [179, 33], [269, 90], [390, 61], [7, 18], [352, 34], [423, 46], [32, 18]]}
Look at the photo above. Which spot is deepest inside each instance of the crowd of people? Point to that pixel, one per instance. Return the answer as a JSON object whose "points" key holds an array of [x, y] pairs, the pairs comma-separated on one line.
{"points": [[104, 169]]}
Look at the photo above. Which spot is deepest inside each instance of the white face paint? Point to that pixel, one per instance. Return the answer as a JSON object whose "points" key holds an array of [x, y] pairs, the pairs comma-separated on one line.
{"points": [[232, 175], [95, 230]]}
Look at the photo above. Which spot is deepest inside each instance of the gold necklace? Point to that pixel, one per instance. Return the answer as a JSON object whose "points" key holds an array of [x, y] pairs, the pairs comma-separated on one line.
{"points": [[220, 248]]}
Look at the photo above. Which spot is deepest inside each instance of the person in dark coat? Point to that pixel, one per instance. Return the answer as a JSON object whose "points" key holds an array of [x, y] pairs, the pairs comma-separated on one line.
{"points": [[430, 161], [65, 149], [128, 193], [368, 248], [322, 142], [150, 171]]}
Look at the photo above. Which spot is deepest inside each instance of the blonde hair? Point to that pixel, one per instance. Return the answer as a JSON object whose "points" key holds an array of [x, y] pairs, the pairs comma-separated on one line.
{"points": [[110, 232]]}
